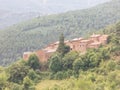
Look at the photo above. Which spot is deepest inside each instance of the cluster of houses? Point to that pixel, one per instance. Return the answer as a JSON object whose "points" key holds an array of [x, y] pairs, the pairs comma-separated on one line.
{"points": [[77, 44]]}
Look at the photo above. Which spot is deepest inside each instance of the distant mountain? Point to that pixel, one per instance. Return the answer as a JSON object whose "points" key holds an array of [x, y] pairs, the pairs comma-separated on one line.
{"points": [[55, 5], [14, 11], [8, 19], [38, 32]]}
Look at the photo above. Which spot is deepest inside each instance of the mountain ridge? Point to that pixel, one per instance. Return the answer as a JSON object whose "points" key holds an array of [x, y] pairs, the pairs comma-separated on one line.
{"points": [[18, 9]]}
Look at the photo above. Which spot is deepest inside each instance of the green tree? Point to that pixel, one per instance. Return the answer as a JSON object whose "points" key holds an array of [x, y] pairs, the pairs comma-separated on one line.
{"points": [[55, 64], [78, 64], [59, 75], [13, 86], [91, 60], [33, 62], [33, 75], [62, 48], [68, 60], [66, 49], [69, 73], [28, 84], [111, 65], [104, 53], [17, 73]]}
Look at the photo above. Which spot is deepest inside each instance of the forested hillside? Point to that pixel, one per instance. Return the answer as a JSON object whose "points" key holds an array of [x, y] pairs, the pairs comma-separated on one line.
{"points": [[37, 33], [97, 69], [15, 11]]}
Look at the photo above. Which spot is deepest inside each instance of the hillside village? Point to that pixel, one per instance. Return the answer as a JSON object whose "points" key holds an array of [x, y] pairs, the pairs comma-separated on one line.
{"points": [[77, 44], [74, 50]]}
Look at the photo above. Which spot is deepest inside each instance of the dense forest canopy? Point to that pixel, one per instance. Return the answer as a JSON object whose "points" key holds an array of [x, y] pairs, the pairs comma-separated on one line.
{"points": [[37, 33]]}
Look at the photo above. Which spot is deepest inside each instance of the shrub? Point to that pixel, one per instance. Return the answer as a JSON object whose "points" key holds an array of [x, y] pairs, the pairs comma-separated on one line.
{"points": [[68, 60], [17, 73], [28, 84], [59, 75], [78, 64], [33, 76], [111, 65], [33, 62], [55, 64]]}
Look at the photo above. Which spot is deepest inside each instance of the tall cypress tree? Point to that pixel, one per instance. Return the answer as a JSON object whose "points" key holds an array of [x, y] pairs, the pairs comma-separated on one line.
{"points": [[61, 46]]}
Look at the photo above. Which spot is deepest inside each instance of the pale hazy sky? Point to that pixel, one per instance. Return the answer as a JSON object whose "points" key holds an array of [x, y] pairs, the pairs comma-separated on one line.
{"points": [[38, 4]]}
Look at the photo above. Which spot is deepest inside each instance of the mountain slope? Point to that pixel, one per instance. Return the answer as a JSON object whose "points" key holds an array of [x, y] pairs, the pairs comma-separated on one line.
{"points": [[21, 10], [36, 33]]}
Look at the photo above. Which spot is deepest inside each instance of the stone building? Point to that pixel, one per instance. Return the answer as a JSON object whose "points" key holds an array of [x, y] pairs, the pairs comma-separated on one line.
{"points": [[77, 44], [26, 55]]}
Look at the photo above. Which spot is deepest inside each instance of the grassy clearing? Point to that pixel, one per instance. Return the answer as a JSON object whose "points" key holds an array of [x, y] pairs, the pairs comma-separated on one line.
{"points": [[48, 84]]}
